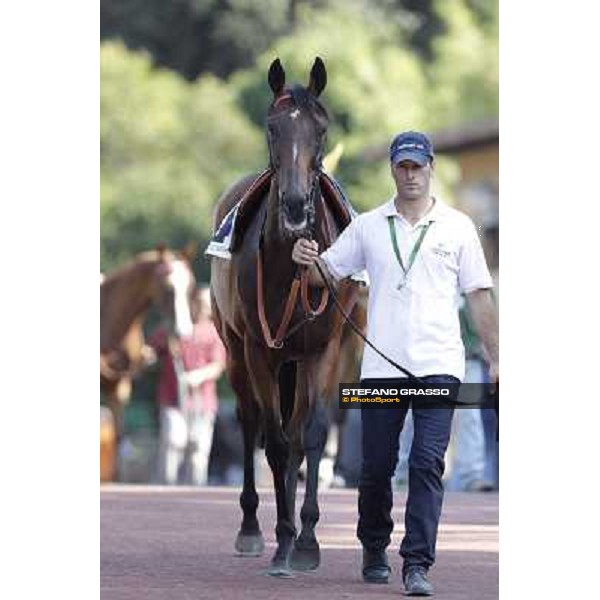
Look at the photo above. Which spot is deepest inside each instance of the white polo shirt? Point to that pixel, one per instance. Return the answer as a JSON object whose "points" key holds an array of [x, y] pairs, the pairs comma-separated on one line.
{"points": [[416, 325]]}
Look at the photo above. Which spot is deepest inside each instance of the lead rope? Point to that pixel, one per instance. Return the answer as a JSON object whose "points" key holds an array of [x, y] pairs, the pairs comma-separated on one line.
{"points": [[360, 333], [331, 290], [277, 342], [310, 312]]}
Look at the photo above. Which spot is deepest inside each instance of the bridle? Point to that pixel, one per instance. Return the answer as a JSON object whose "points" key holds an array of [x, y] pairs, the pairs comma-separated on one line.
{"points": [[300, 286], [300, 283]]}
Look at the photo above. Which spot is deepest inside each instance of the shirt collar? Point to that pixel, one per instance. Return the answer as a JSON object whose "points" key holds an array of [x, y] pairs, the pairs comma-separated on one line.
{"points": [[435, 214]]}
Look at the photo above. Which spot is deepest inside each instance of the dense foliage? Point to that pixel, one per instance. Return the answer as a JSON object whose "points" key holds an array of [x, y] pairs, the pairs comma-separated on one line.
{"points": [[183, 96]]}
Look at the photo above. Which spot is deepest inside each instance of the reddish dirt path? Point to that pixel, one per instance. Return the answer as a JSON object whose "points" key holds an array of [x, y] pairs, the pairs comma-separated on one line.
{"points": [[177, 544]]}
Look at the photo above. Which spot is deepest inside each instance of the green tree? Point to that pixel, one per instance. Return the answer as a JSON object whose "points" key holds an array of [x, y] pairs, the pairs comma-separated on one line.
{"points": [[223, 36], [374, 87], [464, 75], [195, 36], [168, 149]]}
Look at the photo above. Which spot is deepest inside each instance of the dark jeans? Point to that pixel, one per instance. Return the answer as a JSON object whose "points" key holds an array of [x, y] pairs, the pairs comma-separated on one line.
{"points": [[381, 428]]}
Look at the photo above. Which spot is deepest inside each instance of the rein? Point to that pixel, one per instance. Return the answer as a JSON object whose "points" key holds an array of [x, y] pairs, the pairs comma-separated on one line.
{"points": [[360, 333], [300, 284]]}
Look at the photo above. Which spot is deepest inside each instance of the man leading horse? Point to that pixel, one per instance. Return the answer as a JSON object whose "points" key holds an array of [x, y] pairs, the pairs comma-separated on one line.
{"points": [[420, 254]]}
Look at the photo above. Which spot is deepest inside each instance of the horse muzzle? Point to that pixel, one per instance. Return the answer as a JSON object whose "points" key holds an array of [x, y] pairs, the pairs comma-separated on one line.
{"points": [[295, 213]]}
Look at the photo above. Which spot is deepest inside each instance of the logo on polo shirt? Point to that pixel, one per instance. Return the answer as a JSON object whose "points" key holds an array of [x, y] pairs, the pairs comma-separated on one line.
{"points": [[440, 251]]}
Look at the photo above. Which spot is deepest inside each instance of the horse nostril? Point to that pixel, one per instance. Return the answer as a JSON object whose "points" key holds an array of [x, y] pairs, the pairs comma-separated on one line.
{"points": [[295, 209]]}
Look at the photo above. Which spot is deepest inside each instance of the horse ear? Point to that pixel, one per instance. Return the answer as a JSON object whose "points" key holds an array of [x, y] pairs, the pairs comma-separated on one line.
{"points": [[318, 77], [276, 77], [190, 251]]}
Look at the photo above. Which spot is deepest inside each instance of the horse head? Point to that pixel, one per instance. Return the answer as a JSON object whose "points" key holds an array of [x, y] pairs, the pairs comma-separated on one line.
{"points": [[296, 129], [174, 288]]}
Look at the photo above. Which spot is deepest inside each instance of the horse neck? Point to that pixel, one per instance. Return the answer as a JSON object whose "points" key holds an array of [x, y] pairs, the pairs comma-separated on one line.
{"points": [[123, 300], [271, 235], [273, 241]]}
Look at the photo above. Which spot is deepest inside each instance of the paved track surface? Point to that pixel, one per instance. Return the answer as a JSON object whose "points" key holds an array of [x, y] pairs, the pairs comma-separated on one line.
{"points": [[177, 544]]}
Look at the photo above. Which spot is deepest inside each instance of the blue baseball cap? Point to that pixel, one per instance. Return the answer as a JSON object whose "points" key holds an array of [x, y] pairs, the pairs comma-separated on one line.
{"points": [[411, 145]]}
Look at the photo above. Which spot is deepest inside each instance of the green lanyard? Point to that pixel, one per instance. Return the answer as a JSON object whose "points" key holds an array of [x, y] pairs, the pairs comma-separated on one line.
{"points": [[415, 250]]}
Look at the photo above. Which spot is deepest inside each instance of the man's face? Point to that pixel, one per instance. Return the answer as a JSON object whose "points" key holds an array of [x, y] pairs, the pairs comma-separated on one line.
{"points": [[412, 180]]}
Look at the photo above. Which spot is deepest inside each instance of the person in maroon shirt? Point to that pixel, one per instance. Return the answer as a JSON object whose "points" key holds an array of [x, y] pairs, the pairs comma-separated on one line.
{"points": [[187, 396]]}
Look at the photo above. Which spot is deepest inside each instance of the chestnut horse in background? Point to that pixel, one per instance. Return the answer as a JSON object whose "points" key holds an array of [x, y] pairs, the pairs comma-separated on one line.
{"points": [[279, 382], [161, 277]]}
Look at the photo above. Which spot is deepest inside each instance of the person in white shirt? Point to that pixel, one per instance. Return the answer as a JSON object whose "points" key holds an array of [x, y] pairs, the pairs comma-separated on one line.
{"points": [[420, 255]]}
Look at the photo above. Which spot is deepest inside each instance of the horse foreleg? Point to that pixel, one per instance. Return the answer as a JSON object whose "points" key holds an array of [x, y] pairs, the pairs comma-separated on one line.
{"points": [[306, 555], [291, 481], [249, 541], [287, 395], [277, 449]]}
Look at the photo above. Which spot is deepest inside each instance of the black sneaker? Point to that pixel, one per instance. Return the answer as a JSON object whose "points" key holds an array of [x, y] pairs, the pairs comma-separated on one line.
{"points": [[375, 567], [416, 583]]}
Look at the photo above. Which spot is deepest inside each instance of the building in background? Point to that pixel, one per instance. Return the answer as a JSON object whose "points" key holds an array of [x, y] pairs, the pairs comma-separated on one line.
{"points": [[475, 148]]}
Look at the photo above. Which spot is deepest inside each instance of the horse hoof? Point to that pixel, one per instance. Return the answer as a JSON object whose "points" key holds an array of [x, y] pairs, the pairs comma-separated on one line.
{"points": [[280, 569], [305, 558], [249, 544]]}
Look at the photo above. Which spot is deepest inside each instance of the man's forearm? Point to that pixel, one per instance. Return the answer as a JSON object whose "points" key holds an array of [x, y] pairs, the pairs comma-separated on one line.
{"points": [[485, 318]]}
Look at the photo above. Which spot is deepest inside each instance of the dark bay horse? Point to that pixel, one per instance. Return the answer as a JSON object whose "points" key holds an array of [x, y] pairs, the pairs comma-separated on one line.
{"points": [[279, 380], [161, 277]]}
